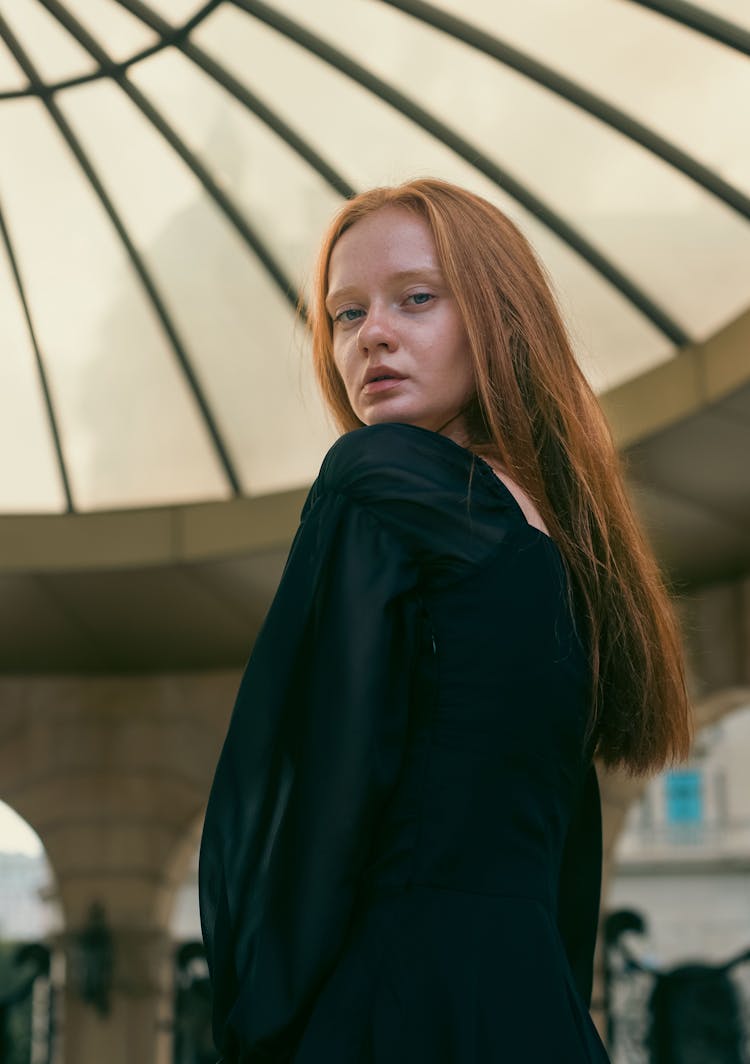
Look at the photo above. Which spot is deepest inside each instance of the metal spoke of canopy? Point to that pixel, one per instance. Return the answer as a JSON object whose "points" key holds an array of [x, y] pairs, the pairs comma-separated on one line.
{"points": [[39, 361], [720, 29], [576, 94]]}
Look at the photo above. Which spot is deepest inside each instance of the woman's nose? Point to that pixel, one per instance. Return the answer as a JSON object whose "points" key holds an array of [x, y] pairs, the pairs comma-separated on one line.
{"points": [[376, 331]]}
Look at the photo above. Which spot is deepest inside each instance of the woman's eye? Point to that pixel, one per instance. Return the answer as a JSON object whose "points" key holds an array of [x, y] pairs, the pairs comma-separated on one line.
{"points": [[420, 298], [344, 314]]}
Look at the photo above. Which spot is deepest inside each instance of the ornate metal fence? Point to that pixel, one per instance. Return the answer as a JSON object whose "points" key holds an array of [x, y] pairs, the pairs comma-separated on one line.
{"points": [[27, 1008], [694, 1013]]}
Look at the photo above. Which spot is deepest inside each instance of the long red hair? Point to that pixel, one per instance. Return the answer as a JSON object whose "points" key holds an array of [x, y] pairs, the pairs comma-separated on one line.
{"points": [[534, 412]]}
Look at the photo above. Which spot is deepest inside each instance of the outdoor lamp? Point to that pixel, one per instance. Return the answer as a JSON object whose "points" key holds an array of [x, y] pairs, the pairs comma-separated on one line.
{"points": [[91, 957]]}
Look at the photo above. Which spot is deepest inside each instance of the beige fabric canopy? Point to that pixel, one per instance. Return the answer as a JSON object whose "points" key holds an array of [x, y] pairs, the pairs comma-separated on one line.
{"points": [[167, 168]]}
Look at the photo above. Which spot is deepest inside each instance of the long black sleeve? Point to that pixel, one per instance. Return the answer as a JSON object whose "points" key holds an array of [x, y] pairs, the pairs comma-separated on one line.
{"points": [[311, 755]]}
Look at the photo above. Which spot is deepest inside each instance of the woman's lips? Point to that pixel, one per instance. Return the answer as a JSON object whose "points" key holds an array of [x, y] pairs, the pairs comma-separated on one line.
{"points": [[382, 386]]}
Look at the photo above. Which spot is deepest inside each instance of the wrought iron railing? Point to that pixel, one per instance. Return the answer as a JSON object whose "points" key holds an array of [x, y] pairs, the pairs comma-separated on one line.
{"points": [[30, 995], [692, 1013]]}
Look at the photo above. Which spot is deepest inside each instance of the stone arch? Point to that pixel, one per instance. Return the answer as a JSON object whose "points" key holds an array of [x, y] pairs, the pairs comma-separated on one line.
{"points": [[715, 624], [619, 792], [112, 772]]}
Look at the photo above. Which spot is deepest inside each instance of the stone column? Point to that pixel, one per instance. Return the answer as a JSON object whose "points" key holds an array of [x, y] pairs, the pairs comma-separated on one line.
{"points": [[137, 1023]]}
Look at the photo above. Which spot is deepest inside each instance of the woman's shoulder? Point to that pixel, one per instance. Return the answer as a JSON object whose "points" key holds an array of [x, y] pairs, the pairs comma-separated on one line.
{"points": [[389, 457], [426, 488]]}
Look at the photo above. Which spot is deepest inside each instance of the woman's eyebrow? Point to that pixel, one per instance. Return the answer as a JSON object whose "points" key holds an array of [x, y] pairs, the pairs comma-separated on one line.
{"points": [[432, 272]]}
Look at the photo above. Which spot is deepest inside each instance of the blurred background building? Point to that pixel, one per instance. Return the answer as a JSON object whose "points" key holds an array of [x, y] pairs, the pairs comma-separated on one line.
{"points": [[166, 171]]}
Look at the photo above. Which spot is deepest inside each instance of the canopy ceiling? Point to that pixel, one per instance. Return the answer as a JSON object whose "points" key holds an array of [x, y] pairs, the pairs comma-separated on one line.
{"points": [[167, 168]]}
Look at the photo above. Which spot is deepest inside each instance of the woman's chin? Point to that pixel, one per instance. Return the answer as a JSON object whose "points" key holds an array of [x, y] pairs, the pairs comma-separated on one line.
{"points": [[393, 411]]}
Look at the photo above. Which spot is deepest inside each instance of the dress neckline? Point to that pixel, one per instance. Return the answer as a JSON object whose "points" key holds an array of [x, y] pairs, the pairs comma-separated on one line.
{"points": [[508, 494], [490, 474]]}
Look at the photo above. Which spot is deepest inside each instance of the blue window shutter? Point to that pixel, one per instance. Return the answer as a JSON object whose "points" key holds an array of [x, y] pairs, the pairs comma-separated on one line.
{"points": [[684, 797]]}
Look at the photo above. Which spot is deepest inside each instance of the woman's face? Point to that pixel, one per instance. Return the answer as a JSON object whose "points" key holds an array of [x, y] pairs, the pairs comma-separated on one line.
{"points": [[394, 315]]}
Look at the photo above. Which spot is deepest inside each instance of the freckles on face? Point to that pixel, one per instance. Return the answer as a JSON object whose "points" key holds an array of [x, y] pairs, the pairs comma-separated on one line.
{"points": [[393, 314]]}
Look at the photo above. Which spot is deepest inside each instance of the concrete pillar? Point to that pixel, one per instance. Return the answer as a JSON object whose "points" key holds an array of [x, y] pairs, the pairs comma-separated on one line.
{"points": [[137, 1025]]}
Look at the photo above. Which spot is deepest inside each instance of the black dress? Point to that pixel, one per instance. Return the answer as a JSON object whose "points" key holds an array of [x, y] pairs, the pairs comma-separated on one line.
{"points": [[401, 857]]}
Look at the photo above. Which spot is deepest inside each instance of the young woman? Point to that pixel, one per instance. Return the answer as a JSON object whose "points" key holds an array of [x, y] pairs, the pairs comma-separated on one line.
{"points": [[401, 858]]}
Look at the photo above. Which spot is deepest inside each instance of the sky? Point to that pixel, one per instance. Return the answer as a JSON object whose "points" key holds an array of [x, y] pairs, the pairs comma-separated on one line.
{"points": [[15, 834]]}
